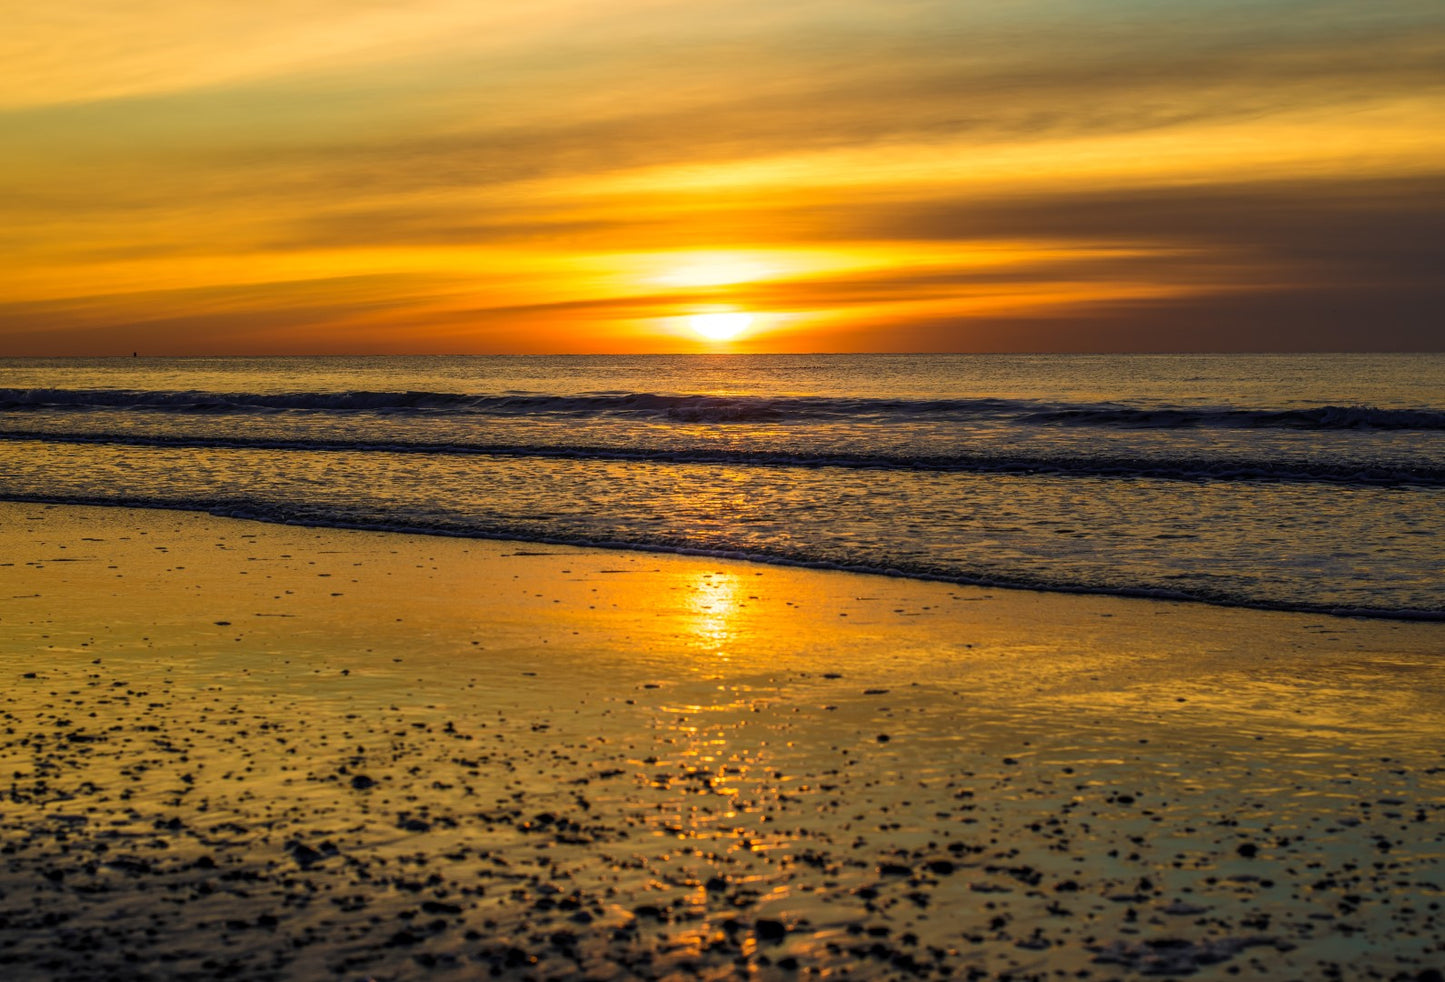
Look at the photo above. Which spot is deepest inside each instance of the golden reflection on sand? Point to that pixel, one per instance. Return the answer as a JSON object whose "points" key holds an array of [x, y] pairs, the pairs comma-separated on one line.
{"points": [[714, 608], [286, 752]]}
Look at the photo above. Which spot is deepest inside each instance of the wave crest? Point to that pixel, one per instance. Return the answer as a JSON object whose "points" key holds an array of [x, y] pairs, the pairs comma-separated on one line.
{"points": [[726, 409], [1316, 418], [1239, 469]]}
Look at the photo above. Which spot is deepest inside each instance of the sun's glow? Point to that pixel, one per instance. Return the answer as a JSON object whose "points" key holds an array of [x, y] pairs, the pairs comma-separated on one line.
{"points": [[721, 326], [716, 269]]}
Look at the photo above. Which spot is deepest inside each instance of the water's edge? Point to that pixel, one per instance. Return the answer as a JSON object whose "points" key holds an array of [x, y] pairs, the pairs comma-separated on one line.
{"points": [[241, 513]]}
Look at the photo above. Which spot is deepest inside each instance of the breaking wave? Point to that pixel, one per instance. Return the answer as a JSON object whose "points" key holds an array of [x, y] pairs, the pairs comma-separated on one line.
{"points": [[1212, 468], [725, 409]]}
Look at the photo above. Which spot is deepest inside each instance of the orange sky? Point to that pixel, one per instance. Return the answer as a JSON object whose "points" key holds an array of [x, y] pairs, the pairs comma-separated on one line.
{"points": [[320, 176]]}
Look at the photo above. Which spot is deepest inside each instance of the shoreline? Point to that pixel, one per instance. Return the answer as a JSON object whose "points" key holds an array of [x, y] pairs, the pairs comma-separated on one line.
{"points": [[292, 752], [1141, 593]]}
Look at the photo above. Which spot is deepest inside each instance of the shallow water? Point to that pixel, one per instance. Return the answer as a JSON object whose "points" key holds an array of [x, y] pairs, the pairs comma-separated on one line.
{"points": [[1301, 482]]}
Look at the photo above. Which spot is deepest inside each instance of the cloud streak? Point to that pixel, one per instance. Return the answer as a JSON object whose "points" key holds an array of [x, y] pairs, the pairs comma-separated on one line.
{"points": [[511, 158]]}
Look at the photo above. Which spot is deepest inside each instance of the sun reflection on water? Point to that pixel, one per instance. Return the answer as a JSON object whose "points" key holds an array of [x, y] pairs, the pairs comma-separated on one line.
{"points": [[713, 609]]}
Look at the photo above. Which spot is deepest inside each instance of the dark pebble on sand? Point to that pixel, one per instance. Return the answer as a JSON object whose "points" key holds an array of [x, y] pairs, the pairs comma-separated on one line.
{"points": [[304, 854], [768, 929], [1248, 850], [361, 782]]}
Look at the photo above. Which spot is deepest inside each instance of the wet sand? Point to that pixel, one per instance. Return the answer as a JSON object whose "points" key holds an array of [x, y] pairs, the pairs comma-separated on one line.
{"points": [[248, 751]]}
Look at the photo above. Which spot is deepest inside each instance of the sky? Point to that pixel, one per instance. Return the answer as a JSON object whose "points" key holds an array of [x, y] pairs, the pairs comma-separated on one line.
{"points": [[472, 176]]}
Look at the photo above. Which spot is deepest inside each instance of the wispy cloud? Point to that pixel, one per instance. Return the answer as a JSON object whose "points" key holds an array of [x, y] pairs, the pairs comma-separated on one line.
{"points": [[157, 157]]}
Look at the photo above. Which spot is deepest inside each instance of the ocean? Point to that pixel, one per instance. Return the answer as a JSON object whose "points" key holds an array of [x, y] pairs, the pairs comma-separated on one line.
{"points": [[1301, 482]]}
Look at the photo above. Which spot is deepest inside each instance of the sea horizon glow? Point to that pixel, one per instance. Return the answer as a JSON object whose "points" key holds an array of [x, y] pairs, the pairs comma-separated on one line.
{"points": [[721, 326], [446, 177]]}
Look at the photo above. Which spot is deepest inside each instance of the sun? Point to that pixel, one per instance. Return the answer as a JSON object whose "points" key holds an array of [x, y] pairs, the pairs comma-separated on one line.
{"points": [[720, 327]]}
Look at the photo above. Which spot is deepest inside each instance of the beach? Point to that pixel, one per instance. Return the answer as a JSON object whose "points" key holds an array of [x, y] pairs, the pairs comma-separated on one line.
{"points": [[235, 749]]}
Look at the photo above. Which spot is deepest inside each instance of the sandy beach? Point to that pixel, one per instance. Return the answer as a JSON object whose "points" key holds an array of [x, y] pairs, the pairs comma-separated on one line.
{"points": [[236, 750]]}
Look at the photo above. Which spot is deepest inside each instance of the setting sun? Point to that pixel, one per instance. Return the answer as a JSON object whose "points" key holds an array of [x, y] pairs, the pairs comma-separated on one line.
{"points": [[721, 327], [486, 178]]}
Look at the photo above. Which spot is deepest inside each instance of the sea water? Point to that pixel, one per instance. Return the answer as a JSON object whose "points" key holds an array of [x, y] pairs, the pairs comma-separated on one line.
{"points": [[1310, 482]]}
